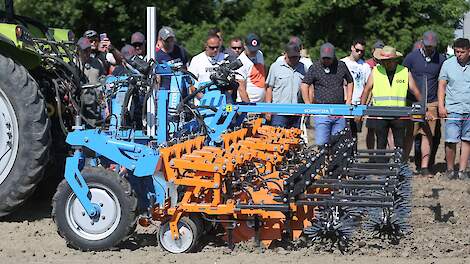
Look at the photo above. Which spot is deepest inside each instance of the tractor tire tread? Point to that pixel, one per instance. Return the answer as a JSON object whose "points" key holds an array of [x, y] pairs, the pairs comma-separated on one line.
{"points": [[33, 132]]}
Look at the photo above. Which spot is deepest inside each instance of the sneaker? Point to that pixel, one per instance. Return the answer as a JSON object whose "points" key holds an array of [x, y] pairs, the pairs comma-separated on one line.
{"points": [[450, 174], [463, 175], [425, 172]]}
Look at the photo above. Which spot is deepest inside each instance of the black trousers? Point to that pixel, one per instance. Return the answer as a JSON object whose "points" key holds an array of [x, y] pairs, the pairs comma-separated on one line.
{"points": [[381, 128]]}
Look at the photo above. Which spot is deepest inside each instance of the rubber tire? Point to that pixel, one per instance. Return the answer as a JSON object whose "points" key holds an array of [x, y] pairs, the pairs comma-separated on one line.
{"points": [[124, 193], [194, 224], [33, 135]]}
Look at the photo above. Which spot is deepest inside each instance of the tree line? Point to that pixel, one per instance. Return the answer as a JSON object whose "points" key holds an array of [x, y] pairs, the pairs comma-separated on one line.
{"points": [[396, 22]]}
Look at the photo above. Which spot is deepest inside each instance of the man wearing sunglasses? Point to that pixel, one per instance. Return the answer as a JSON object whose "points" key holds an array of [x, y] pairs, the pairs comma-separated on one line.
{"points": [[139, 44], [236, 46], [360, 71], [203, 64], [324, 84]]}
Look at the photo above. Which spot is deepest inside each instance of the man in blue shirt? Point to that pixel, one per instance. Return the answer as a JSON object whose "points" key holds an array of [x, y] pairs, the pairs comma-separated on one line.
{"points": [[283, 85], [169, 52], [424, 64], [454, 103]]}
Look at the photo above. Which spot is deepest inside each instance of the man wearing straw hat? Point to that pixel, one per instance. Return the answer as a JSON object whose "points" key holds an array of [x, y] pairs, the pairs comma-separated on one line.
{"points": [[389, 84]]}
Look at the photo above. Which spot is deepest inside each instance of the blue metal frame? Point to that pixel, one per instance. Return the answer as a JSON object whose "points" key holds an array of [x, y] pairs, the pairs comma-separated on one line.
{"points": [[78, 185]]}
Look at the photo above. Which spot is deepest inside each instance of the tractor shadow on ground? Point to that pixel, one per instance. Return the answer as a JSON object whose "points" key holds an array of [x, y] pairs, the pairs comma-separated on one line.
{"points": [[38, 207], [137, 241], [141, 240]]}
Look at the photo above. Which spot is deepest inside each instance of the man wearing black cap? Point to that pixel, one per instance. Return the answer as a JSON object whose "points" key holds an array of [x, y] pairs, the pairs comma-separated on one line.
{"points": [[304, 59], [284, 80], [425, 64], [92, 70], [324, 84], [251, 76], [92, 36], [91, 67]]}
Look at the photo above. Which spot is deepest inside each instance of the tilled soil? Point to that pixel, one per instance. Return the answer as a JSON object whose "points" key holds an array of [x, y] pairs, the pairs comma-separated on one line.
{"points": [[440, 234]]}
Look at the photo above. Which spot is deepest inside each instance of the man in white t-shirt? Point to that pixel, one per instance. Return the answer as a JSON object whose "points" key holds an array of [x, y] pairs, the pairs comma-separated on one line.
{"points": [[203, 64], [251, 76], [360, 72]]}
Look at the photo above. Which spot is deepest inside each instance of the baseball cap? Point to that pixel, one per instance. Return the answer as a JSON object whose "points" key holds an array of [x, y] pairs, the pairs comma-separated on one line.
{"points": [[295, 40], [84, 43], [327, 50], [166, 32], [378, 44], [137, 37], [430, 38], [253, 42], [90, 34], [128, 51], [292, 50]]}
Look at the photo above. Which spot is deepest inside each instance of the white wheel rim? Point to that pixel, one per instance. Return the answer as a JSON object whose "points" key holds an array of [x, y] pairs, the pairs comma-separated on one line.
{"points": [[99, 228], [182, 244], [8, 136]]}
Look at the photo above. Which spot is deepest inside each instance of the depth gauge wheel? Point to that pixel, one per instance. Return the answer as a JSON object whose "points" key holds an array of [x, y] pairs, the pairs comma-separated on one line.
{"points": [[189, 229], [116, 221]]}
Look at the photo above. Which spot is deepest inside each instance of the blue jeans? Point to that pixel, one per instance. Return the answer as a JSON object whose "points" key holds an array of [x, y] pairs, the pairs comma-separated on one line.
{"points": [[326, 127], [457, 130], [285, 121]]}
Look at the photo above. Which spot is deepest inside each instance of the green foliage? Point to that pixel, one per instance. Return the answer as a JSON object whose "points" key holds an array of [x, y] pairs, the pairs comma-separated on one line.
{"points": [[398, 23]]}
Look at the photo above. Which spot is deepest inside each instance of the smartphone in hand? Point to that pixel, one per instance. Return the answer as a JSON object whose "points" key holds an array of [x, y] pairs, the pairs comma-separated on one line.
{"points": [[103, 36]]}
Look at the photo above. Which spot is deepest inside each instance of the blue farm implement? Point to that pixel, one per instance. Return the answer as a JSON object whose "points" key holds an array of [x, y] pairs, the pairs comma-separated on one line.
{"points": [[158, 158]]}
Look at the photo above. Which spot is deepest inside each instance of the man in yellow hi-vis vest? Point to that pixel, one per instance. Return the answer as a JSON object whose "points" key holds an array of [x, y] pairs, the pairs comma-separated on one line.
{"points": [[389, 83]]}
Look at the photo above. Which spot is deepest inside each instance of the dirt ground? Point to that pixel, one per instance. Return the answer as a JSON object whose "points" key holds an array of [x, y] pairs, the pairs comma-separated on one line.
{"points": [[440, 217]]}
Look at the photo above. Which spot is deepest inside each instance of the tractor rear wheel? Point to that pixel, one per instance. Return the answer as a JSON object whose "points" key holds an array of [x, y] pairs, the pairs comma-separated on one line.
{"points": [[24, 135]]}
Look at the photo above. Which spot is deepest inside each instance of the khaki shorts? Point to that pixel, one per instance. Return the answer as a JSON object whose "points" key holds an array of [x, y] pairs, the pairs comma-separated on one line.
{"points": [[428, 127]]}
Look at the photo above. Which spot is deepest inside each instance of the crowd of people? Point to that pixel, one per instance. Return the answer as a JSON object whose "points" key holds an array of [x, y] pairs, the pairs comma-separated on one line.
{"points": [[385, 79]]}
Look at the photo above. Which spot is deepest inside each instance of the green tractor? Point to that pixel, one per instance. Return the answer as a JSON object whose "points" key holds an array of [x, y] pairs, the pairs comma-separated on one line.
{"points": [[39, 90]]}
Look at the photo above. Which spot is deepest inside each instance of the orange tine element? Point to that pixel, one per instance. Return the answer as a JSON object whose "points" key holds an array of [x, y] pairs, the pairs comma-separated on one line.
{"points": [[280, 132], [176, 151], [273, 221], [233, 137], [261, 144], [256, 124]]}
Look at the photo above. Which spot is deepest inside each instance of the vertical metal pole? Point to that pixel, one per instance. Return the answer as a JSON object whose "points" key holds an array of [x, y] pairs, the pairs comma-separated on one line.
{"points": [[151, 42], [151, 31]]}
